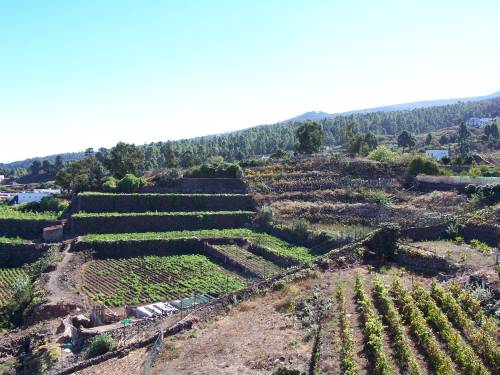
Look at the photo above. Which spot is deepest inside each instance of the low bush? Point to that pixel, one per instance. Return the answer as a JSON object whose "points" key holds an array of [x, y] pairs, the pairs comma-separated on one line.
{"points": [[130, 183], [423, 165], [100, 345], [265, 216], [384, 239], [486, 194], [110, 184], [47, 204], [300, 228], [384, 154], [481, 246], [220, 170], [378, 197]]}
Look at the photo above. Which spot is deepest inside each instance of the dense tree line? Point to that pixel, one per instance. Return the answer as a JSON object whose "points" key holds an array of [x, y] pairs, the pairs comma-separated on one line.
{"points": [[349, 130], [268, 139]]}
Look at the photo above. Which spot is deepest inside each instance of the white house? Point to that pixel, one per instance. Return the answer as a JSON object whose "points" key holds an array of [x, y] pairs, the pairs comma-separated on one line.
{"points": [[437, 154], [2, 177], [30, 197], [35, 196]]}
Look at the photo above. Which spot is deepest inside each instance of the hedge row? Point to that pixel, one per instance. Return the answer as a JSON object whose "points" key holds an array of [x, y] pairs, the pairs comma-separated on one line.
{"points": [[99, 202], [157, 222], [25, 228]]}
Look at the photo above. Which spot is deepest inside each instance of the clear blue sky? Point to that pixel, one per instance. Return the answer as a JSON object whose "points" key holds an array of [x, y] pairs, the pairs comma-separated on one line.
{"points": [[78, 74]]}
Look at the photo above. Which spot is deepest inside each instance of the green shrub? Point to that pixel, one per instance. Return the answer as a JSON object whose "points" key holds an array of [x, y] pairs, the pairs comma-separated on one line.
{"points": [[130, 183], [378, 197], [99, 345], [487, 194], [423, 165], [211, 170], [265, 216], [384, 154], [300, 228], [110, 184], [481, 246], [384, 239], [47, 204]]}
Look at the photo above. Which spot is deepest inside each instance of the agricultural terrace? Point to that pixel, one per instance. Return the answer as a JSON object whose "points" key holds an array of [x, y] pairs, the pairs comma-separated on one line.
{"points": [[8, 277], [475, 255], [8, 212], [328, 191], [271, 243], [157, 213], [109, 202], [13, 240], [116, 282], [255, 263]]}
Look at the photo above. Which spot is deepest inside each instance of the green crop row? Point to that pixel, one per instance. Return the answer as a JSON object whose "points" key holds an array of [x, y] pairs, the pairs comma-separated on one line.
{"points": [[461, 353], [13, 240], [9, 212], [401, 343], [348, 364], [472, 307], [91, 193], [116, 282], [418, 325], [482, 342], [263, 239], [373, 330], [158, 213]]}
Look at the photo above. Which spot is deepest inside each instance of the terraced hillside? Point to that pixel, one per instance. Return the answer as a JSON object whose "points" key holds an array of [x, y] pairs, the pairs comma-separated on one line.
{"points": [[159, 247], [327, 191], [121, 281]]}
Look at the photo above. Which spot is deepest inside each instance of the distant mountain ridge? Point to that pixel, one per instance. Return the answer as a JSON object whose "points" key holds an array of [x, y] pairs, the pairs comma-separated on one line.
{"points": [[313, 115], [319, 115]]}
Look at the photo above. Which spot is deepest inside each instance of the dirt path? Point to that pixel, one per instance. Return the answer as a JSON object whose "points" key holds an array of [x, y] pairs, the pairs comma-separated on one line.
{"points": [[60, 281], [330, 343], [364, 365]]}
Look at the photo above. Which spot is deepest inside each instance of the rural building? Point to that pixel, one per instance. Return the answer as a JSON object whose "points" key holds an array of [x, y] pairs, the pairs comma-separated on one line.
{"points": [[2, 177], [53, 234], [35, 196], [437, 154]]}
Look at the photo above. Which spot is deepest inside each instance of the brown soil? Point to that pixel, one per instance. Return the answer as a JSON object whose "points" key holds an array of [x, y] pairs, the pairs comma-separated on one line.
{"points": [[256, 337], [130, 364]]}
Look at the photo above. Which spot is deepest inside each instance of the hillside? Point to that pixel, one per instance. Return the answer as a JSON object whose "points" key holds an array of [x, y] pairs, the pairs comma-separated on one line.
{"points": [[318, 115], [419, 117]]}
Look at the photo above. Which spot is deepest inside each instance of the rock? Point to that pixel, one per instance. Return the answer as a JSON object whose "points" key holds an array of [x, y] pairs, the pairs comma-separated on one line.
{"points": [[81, 321], [70, 333]]}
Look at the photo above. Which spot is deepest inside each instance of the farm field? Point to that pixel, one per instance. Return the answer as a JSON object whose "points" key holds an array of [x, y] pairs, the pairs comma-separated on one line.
{"points": [[263, 239], [8, 277], [252, 261], [116, 282], [8, 212], [159, 213], [369, 322], [411, 325], [13, 240], [476, 256]]}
